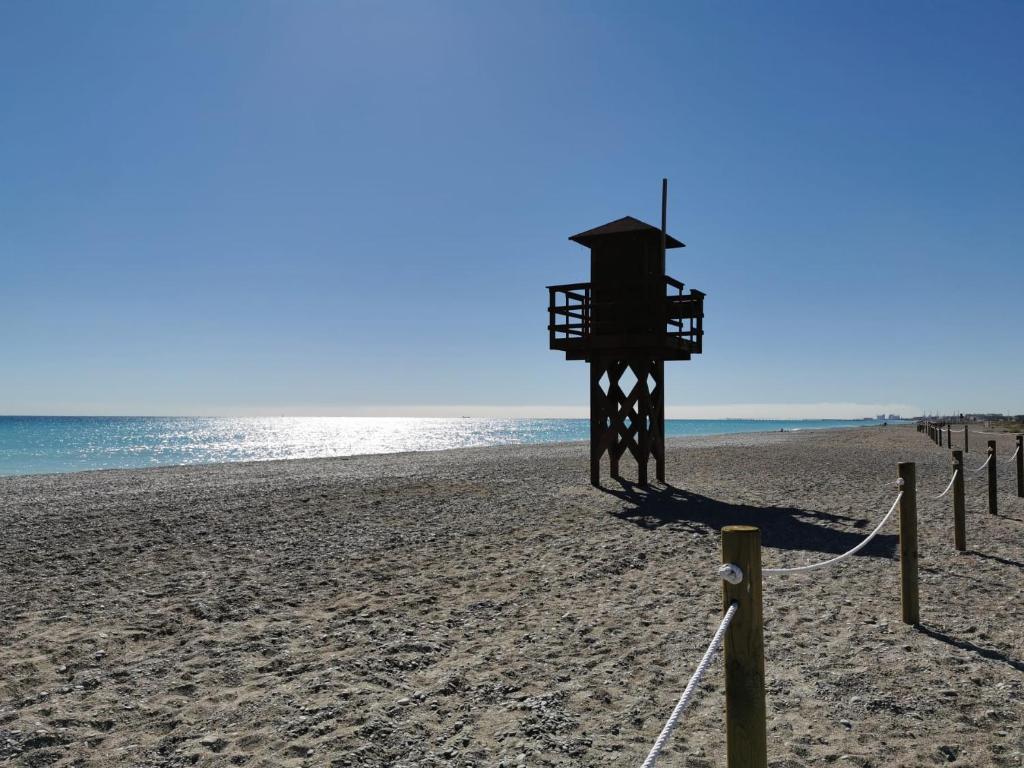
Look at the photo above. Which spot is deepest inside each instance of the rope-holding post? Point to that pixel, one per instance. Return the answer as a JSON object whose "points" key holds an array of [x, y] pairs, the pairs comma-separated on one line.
{"points": [[908, 543], [745, 718], [940, 435], [959, 504], [949, 437], [993, 502], [967, 440], [1020, 466]]}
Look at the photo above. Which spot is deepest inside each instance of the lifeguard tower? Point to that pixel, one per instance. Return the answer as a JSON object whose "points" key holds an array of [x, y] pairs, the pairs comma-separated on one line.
{"points": [[626, 322]]}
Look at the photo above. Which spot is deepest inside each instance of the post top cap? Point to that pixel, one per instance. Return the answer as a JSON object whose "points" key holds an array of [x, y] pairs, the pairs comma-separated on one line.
{"points": [[740, 529]]}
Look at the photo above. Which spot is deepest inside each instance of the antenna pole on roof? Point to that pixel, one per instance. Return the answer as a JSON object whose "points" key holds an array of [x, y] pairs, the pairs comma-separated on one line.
{"points": [[664, 216]]}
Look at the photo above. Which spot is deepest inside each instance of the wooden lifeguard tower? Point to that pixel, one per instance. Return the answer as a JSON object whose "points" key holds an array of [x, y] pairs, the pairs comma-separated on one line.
{"points": [[626, 322]]}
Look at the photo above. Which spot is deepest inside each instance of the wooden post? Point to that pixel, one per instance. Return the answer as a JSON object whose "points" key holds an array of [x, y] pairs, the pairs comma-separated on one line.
{"points": [[1020, 466], [908, 544], [643, 431], [745, 720], [949, 437], [967, 446], [959, 506], [597, 417], [993, 504], [659, 416], [940, 435]]}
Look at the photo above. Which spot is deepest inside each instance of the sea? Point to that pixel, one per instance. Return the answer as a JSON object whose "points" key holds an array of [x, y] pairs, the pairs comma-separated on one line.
{"points": [[48, 444]]}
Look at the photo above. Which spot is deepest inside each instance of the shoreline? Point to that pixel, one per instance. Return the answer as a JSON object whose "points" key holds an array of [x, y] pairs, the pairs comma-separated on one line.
{"points": [[554, 443]]}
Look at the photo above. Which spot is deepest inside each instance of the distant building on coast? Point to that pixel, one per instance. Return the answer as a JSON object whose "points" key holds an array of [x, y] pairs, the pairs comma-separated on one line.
{"points": [[626, 322]]}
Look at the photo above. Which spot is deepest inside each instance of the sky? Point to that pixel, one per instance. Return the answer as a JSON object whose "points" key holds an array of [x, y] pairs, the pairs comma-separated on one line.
{"points": [[355, 207]]}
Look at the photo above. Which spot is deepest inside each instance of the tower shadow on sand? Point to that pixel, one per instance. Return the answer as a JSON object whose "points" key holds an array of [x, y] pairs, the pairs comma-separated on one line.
{"points": [[788, 528]]}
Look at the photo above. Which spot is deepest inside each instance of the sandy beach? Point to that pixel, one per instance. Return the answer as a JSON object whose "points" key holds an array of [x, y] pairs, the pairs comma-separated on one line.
{"points": [[488, 607]]}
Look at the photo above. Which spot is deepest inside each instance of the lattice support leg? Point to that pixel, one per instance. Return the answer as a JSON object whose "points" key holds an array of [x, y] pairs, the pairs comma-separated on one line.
{"points": [[643, 419], [597, 422], [658, 398], [623, 421]]}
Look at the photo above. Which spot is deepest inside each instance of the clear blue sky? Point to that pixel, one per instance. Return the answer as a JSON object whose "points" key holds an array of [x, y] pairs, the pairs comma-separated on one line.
{"points": [[313, 207]]}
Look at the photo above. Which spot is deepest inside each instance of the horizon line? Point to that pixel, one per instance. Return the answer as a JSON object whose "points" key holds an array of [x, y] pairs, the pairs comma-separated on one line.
{"points": [[723, 412]]}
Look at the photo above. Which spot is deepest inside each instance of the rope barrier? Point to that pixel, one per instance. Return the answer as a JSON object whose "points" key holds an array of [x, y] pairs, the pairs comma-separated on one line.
{"points": [[691, 687], [1010, 460], [976, 471], [950, 486], [849, 553]]}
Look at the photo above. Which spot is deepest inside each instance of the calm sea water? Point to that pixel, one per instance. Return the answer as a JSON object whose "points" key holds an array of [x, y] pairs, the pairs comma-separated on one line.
{"points": [[35, 444]]}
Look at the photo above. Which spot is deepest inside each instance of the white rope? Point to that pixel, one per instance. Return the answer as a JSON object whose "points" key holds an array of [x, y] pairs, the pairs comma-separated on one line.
{"points": [[840, 558], [1010, 460], [691, 687], [948, 487], [976, 471]]}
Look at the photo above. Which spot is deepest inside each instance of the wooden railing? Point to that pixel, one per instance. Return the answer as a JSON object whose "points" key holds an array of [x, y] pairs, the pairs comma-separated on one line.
{"points": [[684, 314], [570, 313]]}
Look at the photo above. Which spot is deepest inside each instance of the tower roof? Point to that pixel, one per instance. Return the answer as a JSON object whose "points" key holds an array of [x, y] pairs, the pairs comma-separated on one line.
{"points": [[625, 225]]}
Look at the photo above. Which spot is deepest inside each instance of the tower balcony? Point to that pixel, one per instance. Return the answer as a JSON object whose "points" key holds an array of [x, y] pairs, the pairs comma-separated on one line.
{"points": [[669, 327]]}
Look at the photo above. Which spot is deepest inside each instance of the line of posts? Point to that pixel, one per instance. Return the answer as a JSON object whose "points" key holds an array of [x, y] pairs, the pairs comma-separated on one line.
{"points": [[745, 710], [745, 718], [934, 431]]}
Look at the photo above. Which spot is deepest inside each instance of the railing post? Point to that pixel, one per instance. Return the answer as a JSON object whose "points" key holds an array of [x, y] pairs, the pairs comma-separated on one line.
{"points": [[959, 505], [949, 437], [745, 720], [1020, 466], [908, 544], [993, 504], [967, 446], [940, 435], [551, 317], [586, 312]]}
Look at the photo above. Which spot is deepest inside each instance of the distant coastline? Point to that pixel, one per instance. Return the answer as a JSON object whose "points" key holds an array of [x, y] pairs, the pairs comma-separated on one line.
{"points": [[58, 444]]}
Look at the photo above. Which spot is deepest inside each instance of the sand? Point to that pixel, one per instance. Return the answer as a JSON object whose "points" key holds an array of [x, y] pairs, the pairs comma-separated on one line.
{"points": [[487, 607]]}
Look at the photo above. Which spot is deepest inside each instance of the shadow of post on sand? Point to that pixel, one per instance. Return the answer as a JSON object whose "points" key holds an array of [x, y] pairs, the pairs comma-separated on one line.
{"points": [[967, 645], [996, 558]]}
